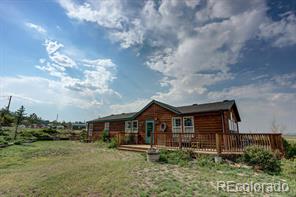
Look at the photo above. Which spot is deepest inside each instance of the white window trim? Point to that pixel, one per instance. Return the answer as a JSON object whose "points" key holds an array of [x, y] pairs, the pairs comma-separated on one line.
{"points": [[184, 127], [135, 130], [126, 129], [232, 126], [107, 126], [175, 127], [90, 128]]}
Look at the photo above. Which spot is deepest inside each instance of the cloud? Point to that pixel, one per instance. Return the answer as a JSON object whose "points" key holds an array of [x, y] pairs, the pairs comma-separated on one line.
{"points": [[281, 33], [194, 45], [37, 90], [203, 52], [108, 14], [52, 46], [133, 106], [37, 28], [96, 75], [262, 101]]}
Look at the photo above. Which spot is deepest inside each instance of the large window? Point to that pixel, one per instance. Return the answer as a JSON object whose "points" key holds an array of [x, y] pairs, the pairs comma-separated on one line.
{"points": [[107, 126], [177, 125], [131, 126], [188, 123]]}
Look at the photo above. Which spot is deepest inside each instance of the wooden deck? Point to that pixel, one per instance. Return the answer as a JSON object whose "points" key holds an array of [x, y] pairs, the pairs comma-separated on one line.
{"points": [[144, 147], [208, 143]]}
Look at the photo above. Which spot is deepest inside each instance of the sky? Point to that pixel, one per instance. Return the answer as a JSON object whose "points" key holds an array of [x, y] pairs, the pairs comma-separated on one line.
{"points": [[86, 59]]}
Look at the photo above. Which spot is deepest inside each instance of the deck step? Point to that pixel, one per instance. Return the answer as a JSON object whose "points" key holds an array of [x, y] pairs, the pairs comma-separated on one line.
{"points": [[132, 149]]}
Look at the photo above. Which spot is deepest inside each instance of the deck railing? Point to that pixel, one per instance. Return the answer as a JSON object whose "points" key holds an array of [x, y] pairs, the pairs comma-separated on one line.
{"points": [[209, 142]]}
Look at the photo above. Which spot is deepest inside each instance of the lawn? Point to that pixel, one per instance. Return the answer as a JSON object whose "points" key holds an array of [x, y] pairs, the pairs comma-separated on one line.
{"points": [[290, 138], [66, 168]]}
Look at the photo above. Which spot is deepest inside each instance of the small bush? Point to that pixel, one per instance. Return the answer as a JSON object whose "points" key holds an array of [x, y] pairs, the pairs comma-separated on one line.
{"points": [[290, 149], [289, 167], [175, 157], [105, 136], [83, 136], [262, 159], [3, 141], [205, 161], [113, 143], [50, 131], [19, 141], [37, 134]]}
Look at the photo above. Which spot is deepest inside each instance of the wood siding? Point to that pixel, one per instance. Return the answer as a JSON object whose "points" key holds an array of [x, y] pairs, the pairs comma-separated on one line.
{"points": [[159, 115], [208, 122], [203, 122]]}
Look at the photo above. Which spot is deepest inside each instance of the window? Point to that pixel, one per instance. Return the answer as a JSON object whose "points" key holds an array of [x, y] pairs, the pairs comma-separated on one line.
{"points": [[131, 126], [135, 126], [128, 126], [232, 124], [188, 124], [107, 126], [177, 125], [90, 129]]}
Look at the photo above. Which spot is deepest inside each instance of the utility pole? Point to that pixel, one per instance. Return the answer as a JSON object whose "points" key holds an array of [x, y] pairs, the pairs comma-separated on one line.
{"points": [[9, 101], [3, 113]]}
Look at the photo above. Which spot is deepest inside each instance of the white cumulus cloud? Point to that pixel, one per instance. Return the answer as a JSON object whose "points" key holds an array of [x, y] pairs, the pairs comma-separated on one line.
{"points": [[37, 28]]}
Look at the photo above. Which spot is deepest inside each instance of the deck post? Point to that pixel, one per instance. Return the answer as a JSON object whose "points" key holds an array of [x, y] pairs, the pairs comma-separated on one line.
{"points": [[218, 143], [272, 142], [180, 141], [118, 138]]}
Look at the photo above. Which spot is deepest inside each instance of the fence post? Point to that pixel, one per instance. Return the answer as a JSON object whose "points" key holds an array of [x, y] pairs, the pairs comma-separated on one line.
{"points": [[218, 143], [272, 142], [180, 141], [281, 141]]}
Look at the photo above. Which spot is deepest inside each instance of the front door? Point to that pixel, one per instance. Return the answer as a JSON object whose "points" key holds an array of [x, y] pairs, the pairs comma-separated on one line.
{"points": [[149, 131]]}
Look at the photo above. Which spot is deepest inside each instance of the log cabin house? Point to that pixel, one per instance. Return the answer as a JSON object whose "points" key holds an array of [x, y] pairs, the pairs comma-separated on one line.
{"points": [[211, 127]]}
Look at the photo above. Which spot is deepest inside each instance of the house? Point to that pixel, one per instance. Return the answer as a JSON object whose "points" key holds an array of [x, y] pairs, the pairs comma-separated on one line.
{"points": [[78, 126], [157, 117]]}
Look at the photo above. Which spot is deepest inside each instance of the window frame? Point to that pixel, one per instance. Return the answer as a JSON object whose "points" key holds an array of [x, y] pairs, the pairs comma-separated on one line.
{"points": [[176, 128], [90, 129], [184, 126], [107, 126], [126, 129], [132, 128]]}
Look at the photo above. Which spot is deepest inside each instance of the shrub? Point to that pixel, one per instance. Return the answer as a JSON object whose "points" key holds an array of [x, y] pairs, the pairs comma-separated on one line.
{"points": [[105, 136], [205, 160], [175, 157], [290, 149], [19, 141], [289, 168], [263, 159], [3, 141], [83, 136], [37, 134], [113, 143], [50, 131]]}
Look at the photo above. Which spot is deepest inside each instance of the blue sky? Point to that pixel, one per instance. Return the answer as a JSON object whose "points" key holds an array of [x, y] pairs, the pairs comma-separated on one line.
{"points": [[84, 59]]}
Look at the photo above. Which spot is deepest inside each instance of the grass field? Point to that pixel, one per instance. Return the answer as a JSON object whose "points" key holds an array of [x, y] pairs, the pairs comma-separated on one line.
{"points": [[290, 138], [65, 168]]}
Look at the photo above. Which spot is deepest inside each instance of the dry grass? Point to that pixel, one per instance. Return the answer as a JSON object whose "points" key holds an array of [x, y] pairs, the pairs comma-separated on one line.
{"points": [[75, 169]]}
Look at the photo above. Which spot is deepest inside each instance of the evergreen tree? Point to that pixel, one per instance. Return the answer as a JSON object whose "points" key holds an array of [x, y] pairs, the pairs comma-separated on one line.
{"points": [[20, 113]]}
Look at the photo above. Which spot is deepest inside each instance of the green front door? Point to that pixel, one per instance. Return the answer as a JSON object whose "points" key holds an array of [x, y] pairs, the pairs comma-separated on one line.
{"points": [[149, 130]]}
